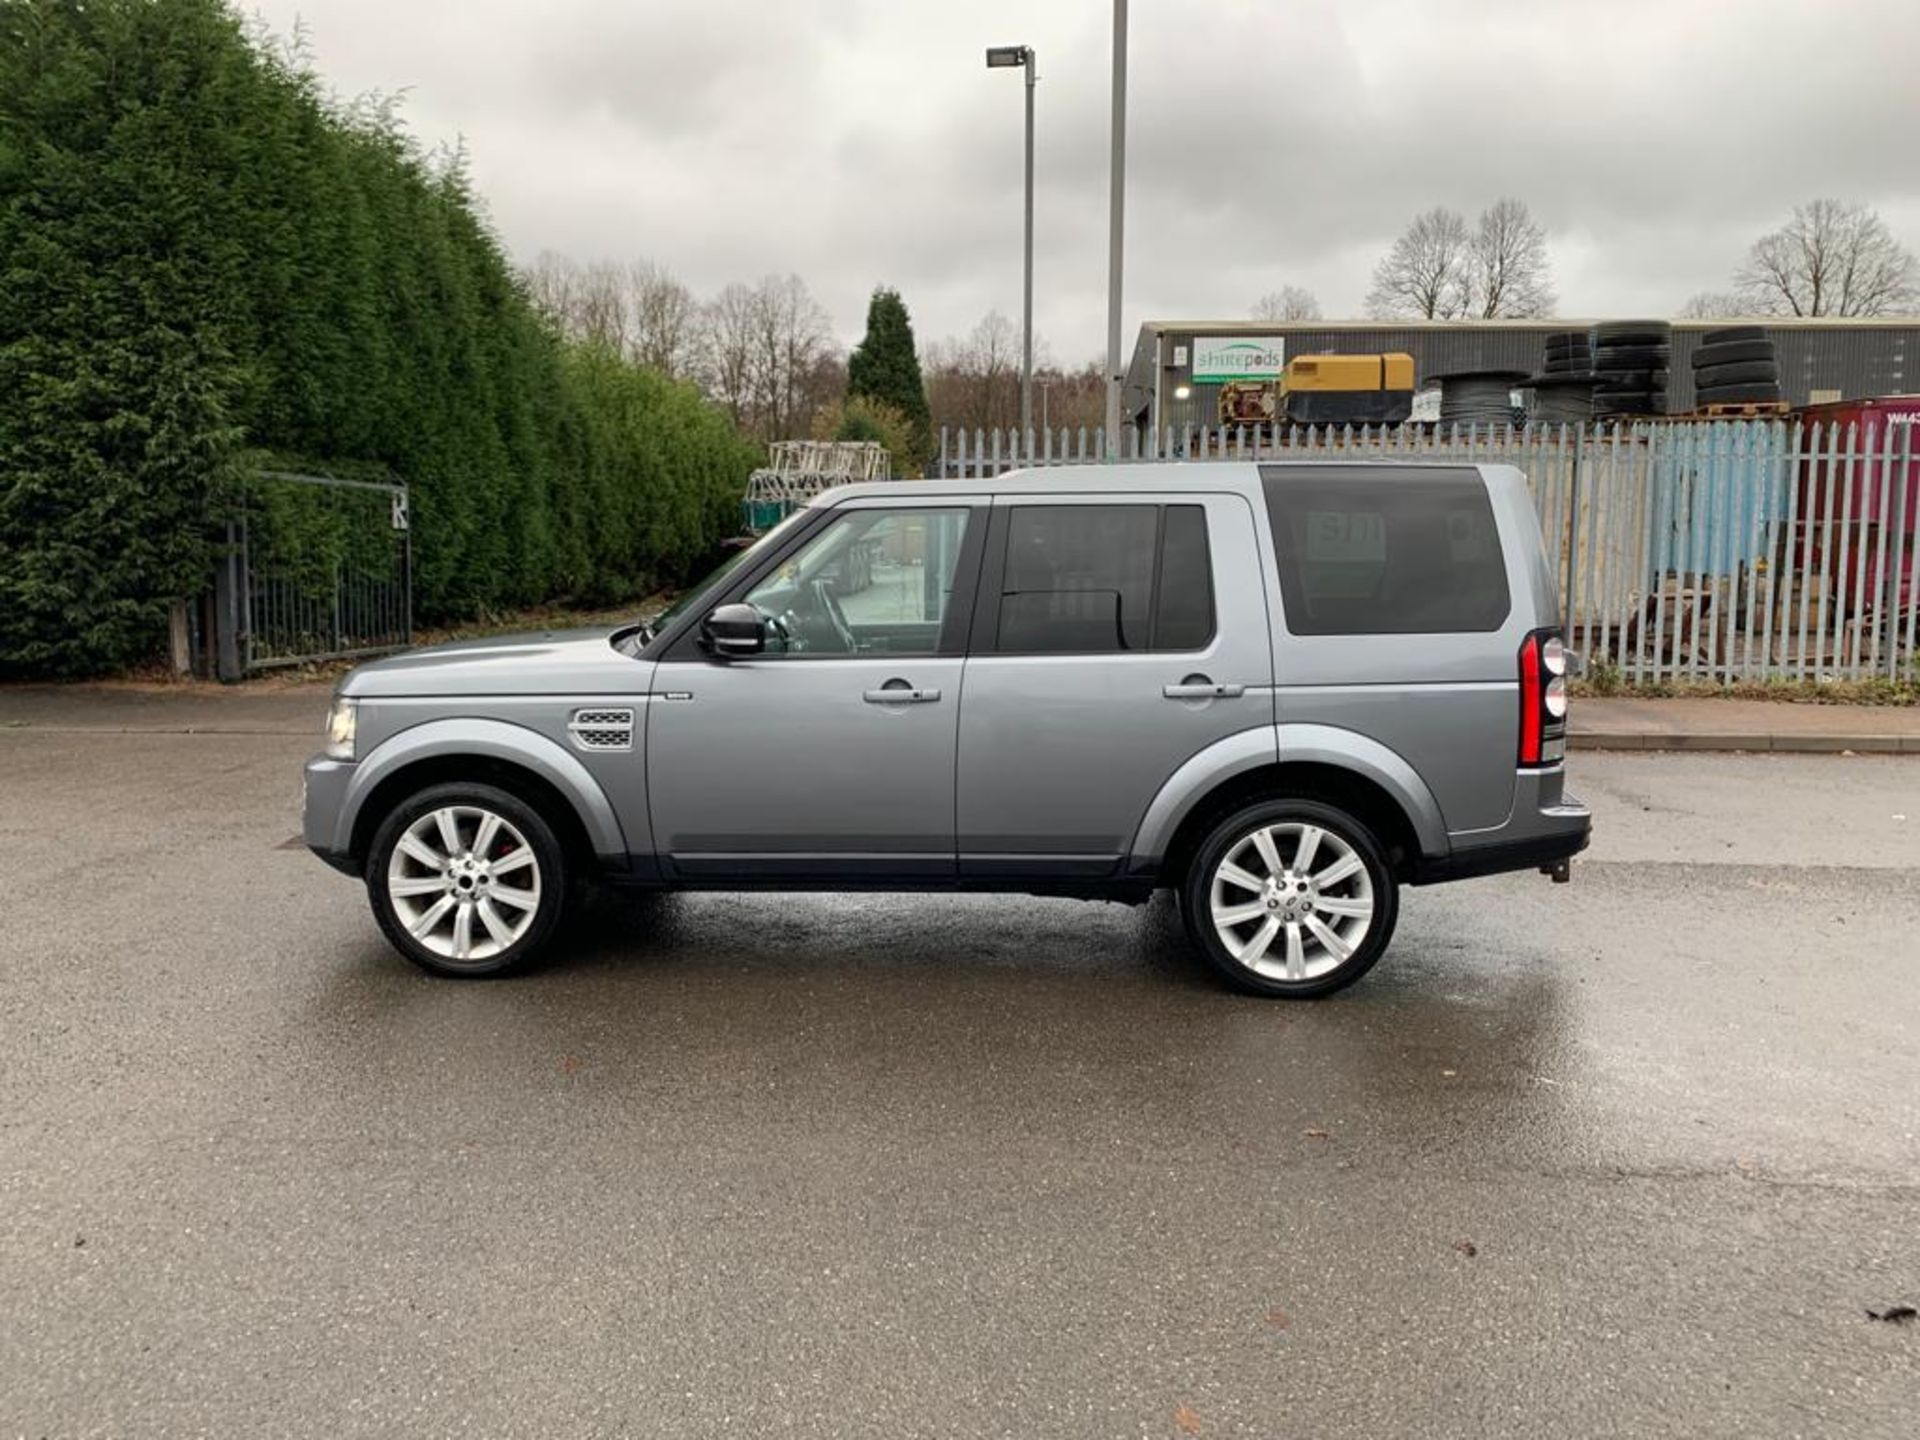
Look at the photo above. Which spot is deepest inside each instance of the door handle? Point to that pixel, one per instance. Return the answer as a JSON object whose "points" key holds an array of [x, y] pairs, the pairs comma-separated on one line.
{"points": [[1202, 690], [899, 692]]}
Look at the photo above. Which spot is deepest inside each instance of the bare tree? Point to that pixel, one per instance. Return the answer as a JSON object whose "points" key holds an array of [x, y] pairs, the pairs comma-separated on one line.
{"points": [[1508, 271], [638, 309], [551, 281], [975, 382], [1713, 305], [727, 323], [1832, 258], [791, 333], [1289, 302], [664, 320], [599, 310], [1428, 272]]}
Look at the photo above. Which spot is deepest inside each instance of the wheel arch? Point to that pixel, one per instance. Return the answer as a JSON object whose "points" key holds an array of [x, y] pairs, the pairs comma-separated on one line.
{"points": [[510, 757], [1311, 762]]}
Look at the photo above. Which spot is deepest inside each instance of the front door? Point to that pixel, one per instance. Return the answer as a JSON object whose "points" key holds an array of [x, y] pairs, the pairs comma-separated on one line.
{"points": [[830, 756], [1114, 639]]}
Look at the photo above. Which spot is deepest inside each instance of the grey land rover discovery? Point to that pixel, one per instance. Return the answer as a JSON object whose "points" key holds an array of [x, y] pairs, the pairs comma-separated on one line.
{"points": [[1280, 690]]}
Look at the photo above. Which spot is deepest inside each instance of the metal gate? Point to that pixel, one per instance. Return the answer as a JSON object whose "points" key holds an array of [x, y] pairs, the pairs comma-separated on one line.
{"points": [[318, 567]]}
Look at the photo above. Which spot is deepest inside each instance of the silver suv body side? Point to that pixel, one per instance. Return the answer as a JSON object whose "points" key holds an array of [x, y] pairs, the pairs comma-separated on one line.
{"points": [[962, 761]]}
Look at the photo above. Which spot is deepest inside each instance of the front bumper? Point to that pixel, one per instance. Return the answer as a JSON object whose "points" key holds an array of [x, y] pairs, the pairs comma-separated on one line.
{"points": [[325, 783]]}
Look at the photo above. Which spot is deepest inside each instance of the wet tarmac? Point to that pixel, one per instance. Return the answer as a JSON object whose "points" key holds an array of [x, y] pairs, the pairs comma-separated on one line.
{"points": [[1632, 1156]]}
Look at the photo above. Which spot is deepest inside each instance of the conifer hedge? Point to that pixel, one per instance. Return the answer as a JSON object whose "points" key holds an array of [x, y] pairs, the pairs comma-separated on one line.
{"points": [[205, 261]]}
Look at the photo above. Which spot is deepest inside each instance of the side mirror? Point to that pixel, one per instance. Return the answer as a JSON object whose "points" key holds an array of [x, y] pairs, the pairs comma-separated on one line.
{"points": [[736, 629]]}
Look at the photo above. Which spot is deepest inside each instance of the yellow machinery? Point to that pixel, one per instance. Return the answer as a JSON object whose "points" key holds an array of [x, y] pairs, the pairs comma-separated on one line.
{"points": [[1347, 389]]}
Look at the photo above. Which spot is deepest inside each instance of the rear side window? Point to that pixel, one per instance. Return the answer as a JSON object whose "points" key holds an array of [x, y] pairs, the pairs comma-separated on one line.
{"points": [[1183, 597], [1371, 552], [1100, 579]]}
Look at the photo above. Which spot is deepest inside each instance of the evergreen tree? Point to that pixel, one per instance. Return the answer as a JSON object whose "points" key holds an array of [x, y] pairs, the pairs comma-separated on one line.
{"points": [[206, 264], [886, 367]]}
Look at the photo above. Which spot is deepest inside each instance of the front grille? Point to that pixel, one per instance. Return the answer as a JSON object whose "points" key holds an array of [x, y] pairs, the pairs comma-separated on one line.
{"points": [[602, 729]]}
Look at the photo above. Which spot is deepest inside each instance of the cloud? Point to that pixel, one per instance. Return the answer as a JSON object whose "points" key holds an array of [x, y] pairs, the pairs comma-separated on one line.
{"points": [[856, 142]]}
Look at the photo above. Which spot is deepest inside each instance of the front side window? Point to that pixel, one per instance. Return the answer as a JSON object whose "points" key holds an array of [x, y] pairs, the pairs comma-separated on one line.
{"points": [[1372, 552], [1100, 579], [872, 581]]}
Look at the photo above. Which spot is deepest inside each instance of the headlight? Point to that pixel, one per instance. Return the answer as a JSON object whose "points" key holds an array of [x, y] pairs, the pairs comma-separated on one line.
{"points": [[341, 722]]}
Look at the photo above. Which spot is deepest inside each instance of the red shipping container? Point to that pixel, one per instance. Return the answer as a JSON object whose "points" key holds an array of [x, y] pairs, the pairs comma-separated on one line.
{"points": [[1878, 468]]}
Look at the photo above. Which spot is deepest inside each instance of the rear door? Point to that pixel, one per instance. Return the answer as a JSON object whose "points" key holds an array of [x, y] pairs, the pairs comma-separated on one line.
{"points": [[1401, 619], [1114, 638]]}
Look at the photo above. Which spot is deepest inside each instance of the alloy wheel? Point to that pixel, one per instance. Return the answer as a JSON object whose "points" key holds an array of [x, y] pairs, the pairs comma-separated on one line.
{"points": [[1292, 901], [464, 882]]}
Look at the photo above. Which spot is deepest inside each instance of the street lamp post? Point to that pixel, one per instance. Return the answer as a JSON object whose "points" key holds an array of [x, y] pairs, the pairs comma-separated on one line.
{"points": [[1116, 217], [1002, 57]]}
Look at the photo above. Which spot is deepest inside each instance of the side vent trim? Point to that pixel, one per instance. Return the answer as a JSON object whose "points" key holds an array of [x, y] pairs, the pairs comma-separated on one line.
{"points": [[602, 728]]}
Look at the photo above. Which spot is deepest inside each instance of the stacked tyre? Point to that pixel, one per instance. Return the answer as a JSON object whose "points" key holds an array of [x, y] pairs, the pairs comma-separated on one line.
{"points": [[1568, 352], [1735, 365], [1560, 399], [1630, 367]]}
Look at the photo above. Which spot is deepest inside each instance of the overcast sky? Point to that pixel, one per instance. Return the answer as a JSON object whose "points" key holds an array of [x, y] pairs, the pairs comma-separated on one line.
{"points": [[1270, 141]]}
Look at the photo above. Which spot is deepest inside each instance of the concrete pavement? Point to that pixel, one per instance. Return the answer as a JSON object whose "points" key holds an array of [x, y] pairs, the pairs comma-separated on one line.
{"points": [[1628, 1157], [1621, 723]]}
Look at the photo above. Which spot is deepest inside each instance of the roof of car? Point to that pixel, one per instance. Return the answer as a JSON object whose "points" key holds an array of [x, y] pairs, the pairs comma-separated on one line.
{"points": [[1134, 477]]}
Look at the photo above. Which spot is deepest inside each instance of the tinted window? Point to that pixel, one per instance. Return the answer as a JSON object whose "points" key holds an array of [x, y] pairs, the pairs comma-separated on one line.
{"points": [[1081, 579], [1367, 552], [1183, 603]]}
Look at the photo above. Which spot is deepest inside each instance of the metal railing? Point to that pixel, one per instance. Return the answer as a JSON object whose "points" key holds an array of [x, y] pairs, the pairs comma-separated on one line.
{"points": [[1712, 550], [317, 567]]}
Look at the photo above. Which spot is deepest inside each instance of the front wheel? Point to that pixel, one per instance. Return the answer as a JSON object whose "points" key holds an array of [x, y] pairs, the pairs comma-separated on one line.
{"points": [[1290, 898], [466, 880]]}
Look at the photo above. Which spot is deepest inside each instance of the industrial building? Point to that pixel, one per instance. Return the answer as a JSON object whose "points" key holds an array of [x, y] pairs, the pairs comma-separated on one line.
{"points": [[1181, 367]]}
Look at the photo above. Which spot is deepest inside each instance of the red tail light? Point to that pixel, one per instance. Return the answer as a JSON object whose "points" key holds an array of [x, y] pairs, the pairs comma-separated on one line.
{"points": [[1543, 699]]}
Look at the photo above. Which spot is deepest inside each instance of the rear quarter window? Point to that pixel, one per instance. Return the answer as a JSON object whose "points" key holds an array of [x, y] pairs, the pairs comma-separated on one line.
{"points": [[1386, 552]]}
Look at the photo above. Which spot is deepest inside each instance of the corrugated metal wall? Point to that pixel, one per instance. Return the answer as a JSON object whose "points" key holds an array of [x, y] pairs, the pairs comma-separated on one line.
{"points": [[1856, 360]]}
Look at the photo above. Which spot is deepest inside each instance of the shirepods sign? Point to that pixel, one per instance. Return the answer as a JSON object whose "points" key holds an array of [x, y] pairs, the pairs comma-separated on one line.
{"points": [[1218, 358]]}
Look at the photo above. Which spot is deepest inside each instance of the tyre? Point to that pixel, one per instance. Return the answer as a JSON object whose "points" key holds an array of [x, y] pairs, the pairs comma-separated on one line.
{"points": [[1733, 334], [1748, 372], [1737, 395], [1632, 332], [1625, 402], [466, 879], [1290, 898], [1630, 357], [1732, 352]]}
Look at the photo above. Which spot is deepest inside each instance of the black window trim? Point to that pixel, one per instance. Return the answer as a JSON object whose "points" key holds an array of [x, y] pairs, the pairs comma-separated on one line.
{"points": [[986, 614], [955, 629]]}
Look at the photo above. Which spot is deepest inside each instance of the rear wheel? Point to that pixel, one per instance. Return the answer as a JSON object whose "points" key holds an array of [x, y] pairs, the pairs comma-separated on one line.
{"points": [[466, 880], [1290, 898]]}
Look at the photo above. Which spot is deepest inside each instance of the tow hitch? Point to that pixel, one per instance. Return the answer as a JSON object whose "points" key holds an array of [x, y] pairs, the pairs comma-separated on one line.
{"points": [[1561, 871]]}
